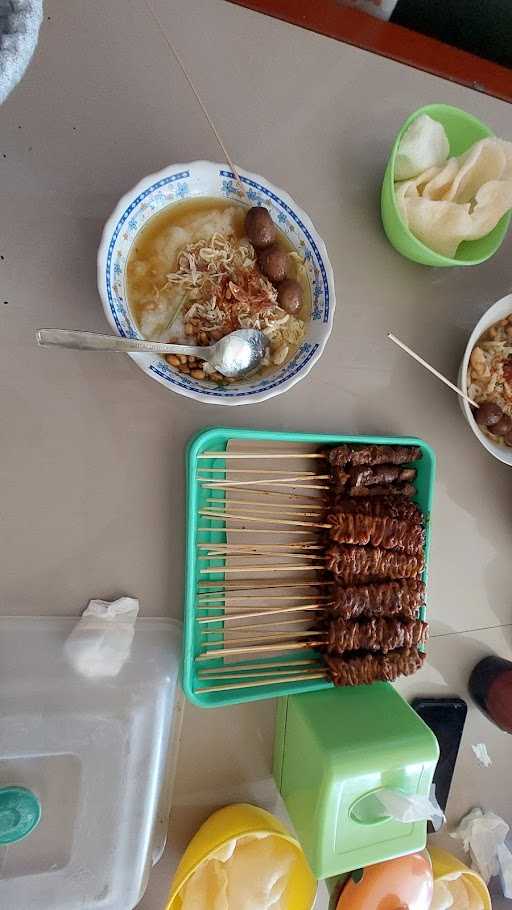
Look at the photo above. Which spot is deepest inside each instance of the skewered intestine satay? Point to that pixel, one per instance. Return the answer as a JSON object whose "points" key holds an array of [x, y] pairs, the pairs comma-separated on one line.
{"points": [[378, 634], [364, 565], [394, 524], [404, 597], [362, 669]]}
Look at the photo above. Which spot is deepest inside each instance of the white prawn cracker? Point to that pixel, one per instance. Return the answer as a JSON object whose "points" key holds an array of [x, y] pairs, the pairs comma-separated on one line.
{"points": [[462, 200], [424, 145]]}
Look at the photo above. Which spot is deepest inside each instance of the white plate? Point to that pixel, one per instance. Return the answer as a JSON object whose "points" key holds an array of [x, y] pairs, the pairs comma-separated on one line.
{"points": [[205, 178]]}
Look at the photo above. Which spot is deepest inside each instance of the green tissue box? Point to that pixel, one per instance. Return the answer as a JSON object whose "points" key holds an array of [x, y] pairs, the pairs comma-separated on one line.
{"points": [[332, 751]]}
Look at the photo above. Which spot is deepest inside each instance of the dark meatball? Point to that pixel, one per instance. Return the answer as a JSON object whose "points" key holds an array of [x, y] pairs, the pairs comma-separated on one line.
{"points": [[259, 227], [273, 262], [488, 414], [289, 295], [503, 426], [508, 439]]}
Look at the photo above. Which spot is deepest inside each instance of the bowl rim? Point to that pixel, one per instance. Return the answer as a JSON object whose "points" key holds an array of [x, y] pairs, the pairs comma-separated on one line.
{"points": [[487, 319], [102, 262], [390, 170]]}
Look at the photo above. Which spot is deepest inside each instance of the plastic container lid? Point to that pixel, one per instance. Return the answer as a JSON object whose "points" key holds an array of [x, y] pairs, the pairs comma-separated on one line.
{"points": [[85, 767]]}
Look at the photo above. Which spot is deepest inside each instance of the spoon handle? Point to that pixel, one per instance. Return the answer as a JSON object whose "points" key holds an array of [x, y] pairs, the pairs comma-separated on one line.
{"points": [[92, 341]]}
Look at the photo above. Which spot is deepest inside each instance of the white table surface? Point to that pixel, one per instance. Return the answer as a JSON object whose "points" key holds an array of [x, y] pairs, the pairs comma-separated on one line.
{"points": [[92, 451]]}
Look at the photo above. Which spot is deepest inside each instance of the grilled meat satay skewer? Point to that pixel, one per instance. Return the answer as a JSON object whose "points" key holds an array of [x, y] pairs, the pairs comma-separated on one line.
{"points": [[348, 454], [404, 596], [378, 634], [362, 669], [392, 524], [365, 565]]}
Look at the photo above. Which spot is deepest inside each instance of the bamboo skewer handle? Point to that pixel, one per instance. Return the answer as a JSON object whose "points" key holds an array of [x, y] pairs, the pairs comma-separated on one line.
{"points": [[242, 455], [268, 682]]}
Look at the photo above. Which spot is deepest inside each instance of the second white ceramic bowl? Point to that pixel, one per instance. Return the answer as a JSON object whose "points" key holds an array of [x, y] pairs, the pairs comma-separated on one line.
{"points": [[497, 311], [205, 178]]}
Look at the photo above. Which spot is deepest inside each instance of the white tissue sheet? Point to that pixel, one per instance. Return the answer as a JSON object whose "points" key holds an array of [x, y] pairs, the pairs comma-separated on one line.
{"points": [[481, 834], [410, 808], [101, 641], [249, 873]]}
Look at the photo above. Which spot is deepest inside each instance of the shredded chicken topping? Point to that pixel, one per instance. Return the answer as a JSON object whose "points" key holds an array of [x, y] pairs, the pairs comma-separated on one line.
{"points": [[224, 290]]}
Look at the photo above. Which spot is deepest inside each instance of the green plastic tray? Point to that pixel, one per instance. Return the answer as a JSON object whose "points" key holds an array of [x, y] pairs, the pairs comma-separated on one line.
{"points": [[216, 440]]}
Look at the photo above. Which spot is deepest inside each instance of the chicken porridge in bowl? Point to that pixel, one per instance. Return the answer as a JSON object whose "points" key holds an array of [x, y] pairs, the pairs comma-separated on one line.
{"points": [[193, 276], [187, 256]]}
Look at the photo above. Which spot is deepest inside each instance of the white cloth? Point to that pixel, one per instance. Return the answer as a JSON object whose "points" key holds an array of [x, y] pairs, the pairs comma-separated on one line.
{"points": [[101, 641], [19, 29]]}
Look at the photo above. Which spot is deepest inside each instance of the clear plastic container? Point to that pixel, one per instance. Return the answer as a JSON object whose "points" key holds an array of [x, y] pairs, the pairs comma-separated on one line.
{"points": [[98, 755]]}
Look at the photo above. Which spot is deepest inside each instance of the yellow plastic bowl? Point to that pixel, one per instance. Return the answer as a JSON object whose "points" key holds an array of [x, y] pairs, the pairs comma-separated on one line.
{"points": [[443, 863], [238, 821]]}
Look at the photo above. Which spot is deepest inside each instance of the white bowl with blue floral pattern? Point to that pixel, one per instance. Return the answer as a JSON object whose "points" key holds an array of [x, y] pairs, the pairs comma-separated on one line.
{"points": [[205, 178]]}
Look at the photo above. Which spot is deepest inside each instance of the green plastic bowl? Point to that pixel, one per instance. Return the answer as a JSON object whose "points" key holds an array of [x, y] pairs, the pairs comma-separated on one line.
{"points": [[462, 130]]}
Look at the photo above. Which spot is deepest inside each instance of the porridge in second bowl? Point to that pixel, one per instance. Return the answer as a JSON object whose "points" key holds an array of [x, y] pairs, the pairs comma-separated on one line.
{"points": [[489, 381]]}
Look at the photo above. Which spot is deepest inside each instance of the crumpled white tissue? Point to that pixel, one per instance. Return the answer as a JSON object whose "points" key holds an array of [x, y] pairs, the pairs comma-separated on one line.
{"points": [[101, 641], [483, 837], [413, 808]]}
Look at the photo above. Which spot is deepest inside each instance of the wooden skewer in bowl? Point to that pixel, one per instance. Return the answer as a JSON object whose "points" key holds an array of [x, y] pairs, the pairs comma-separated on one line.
{"points": [[432, 369]]}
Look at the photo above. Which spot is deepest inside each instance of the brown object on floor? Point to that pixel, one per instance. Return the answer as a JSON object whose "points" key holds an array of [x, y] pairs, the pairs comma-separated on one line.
{"points": [[403, 597], [362, 669], [378, 634], [385, 525], [332, 18], [373, 455], [363, 565]]}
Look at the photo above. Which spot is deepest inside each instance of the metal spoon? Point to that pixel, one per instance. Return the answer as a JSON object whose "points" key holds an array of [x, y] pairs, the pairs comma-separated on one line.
{"points": [[235, 355]]}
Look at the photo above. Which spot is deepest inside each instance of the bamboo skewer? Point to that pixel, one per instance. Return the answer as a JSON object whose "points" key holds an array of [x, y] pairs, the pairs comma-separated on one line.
{"points": [[282, 482], [262, 627], [261, 512], [217, 513], [254, 471], [231, 652], [251, 530], [230, 603], [257, 552], [253, 584], [262, 455], [264, 675], [303, 545], [308, 662], [432, 370], [252, 615], [200, 101], [228, 570], [267, 506], [260, 682]]}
